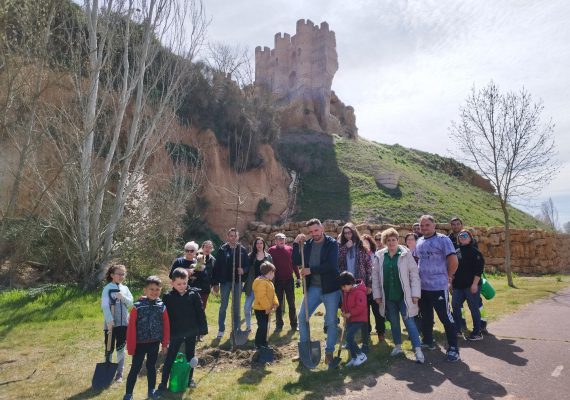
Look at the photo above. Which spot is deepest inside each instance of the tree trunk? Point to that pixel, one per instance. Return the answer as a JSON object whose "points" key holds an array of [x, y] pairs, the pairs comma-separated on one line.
{"points": [[507, 245]]}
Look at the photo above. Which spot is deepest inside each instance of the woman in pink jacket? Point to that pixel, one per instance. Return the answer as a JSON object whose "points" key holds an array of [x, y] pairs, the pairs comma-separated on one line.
{"points": [[396, 288]]}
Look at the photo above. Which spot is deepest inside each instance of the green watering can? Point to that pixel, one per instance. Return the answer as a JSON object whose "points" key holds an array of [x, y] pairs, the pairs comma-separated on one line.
{"points": [[180, 372]]}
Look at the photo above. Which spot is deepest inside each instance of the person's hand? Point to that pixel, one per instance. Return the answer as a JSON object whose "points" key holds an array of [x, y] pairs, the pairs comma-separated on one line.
{"points": [[415, 300], [474, 288], [298, 283], [349, 244], [300, 238], [110, 326], [240, 271], [119, 296], [164, 349], [191, 272], [378, 301], [216, 289], [368, 290], [305, 271], [268, 311]]}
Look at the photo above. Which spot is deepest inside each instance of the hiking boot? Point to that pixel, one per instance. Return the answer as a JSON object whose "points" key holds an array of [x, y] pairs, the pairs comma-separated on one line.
{"points": [[360, 359], [328, 358], [396, 351], [220, 335], [452, 355], [474, 337], [420, 358], [429, 346]]}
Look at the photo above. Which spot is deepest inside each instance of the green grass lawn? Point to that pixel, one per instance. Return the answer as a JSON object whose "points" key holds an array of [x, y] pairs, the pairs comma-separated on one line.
{"points": [[50, 341]]}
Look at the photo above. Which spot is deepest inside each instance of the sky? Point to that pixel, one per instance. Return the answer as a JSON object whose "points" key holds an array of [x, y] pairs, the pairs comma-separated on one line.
{"points": [[407, 66]]}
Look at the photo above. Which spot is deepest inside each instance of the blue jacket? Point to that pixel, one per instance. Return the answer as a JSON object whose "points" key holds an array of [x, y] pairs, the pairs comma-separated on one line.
{"points": [[328, 269]]}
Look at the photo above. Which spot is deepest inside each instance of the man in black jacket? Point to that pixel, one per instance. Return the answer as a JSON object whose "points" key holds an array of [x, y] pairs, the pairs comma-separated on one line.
{"points": [[321, 273], [231, 262]]}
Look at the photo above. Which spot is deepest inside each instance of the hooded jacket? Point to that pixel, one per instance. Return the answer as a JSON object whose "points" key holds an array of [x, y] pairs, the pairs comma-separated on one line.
{"points": [[355, 302]]}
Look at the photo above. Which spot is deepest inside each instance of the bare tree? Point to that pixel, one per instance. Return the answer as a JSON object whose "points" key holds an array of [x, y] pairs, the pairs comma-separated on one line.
{"points": [[231, 61], [549, 214], [503, 137]]}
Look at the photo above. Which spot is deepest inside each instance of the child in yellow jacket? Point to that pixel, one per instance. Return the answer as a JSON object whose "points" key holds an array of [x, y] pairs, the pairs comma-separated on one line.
{"points": [[265, 301]]}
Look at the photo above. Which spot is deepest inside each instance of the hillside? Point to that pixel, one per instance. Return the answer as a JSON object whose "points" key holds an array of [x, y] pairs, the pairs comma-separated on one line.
{"points": [[338, 182]]}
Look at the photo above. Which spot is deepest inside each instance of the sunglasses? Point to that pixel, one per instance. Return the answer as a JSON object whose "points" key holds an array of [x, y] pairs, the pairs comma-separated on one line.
{"points": [[463, 236], [189, 250]]}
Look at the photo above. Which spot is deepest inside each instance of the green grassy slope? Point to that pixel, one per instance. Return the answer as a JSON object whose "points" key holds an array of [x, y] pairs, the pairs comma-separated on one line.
{"points": [[337, 182]]}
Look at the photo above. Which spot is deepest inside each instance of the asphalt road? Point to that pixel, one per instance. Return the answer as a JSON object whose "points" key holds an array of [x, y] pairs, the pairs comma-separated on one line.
{"points": [[526, 356]]}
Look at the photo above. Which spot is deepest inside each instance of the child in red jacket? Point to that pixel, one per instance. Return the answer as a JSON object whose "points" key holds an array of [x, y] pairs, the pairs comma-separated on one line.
{"points": [[355, 311]]}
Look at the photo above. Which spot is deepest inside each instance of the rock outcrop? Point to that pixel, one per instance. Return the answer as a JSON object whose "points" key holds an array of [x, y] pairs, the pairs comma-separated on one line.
{"points": [[299, 72]]}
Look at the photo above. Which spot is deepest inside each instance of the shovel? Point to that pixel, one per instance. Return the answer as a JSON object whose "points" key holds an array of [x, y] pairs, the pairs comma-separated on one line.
{"points": [[309, 351], [105, 371], [238, 337], [266, 353], [336, 361]]}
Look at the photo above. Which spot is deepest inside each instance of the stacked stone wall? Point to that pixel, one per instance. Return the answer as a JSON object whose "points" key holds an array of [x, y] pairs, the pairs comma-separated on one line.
{"points": [[533, 251]]}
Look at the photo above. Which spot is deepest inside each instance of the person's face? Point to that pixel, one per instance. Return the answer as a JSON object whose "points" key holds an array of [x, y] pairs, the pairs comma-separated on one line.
{"points": [[427, 227], [316, 232], [392, 242], [207, 249], [270, 275], [118, 275], [346, 288], [347, 232], [189, 253], [411, 242], [280, 242], [152, 291], [416, 229], [464, 238], [379, 243], [259, 245], [233, 237], [180, 284], [456, 226]]}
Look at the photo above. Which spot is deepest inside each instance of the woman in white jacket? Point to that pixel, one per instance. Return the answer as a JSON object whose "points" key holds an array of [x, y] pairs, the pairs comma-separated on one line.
{"points": [[396, 288]]}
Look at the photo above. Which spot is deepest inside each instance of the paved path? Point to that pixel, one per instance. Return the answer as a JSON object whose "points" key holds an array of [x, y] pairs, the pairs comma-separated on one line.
{"points": [[527, 356]]}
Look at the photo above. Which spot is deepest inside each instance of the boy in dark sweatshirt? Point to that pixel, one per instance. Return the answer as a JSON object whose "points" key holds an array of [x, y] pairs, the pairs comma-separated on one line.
{"points": [[148, 327], [187, 321]]}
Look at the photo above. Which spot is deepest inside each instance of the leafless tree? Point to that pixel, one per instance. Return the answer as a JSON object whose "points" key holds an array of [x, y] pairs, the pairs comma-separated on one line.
{"points": [[549, 214], [232, 61], [503, 137]]}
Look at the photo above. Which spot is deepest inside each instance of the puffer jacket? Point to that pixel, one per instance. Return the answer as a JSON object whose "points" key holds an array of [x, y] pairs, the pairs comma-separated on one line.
{"points": [[409, 278], [121, 308], [356, 303]]}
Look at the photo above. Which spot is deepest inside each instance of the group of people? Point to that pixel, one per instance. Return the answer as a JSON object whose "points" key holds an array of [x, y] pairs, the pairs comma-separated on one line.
{"points": [[361, 275]]}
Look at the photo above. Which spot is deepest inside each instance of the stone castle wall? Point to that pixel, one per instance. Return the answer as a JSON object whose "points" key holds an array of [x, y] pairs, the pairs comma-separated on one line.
{"points": [[533, 251]]}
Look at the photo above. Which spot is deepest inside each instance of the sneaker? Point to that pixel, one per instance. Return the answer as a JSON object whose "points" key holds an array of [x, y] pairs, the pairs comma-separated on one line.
{"points": [[296, 358], [484, 330], [153, 394], [360, 359], [474, 337], [396, 351], [199, 338], [128, 397], [220, 335], [452, 355], [119, 378], [429, 346], [160, 390], [350, 363], [420, 358], [192, 384], [344, 345]]}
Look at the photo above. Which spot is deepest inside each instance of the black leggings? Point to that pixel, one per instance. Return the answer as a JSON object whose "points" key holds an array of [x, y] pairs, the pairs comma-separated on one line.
{"points": [[150, 350], [118, 339]]}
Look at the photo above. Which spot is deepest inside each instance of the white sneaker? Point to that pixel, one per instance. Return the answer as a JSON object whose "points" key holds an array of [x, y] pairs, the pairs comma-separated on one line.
{"points": [[360, 359], [420, 356], [350, 363], [220, 335], [396, 351]]}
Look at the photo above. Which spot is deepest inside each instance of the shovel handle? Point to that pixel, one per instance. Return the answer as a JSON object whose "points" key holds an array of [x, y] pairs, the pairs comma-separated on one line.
{"points": [[341, 337]]}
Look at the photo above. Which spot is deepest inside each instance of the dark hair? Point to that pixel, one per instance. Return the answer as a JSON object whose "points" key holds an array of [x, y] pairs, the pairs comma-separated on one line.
{"points": [[367, 237], [207, 242], [313, 221], [266, 268], [152, 280], [111, 270], [355, 235], [456, 219], [410, 234], [345, 278], [232, 230], [254, 249], [467, 232], [179, 273]]}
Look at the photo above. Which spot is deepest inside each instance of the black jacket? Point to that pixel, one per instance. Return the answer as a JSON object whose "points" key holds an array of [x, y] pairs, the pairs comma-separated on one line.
{"points": [[328, 268], [471, 264], [200, 279], [225, 261], [186, 314]]}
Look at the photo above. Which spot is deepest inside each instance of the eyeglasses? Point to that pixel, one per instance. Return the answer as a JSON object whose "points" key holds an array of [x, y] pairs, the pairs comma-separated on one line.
{"points": [[463, 235], [119, 273], [189, 250]]}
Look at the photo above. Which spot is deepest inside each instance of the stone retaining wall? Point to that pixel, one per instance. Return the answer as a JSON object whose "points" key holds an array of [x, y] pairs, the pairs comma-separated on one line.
{"points": [[533, 251]]}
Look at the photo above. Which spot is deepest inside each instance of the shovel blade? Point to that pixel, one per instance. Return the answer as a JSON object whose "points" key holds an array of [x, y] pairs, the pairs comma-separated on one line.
{"points": [[103, 375], [266, 355], [240, 337], [310, 353]]}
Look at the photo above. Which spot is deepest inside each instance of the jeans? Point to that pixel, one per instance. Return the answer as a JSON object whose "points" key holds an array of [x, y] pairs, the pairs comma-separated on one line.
{"points": [[225, 289], [150, 350], [351, 329], [261, 333], [286, 288], [331, 301], [175, 343], [437, 300], [459, 296], [247, 305], [393, 311]]}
